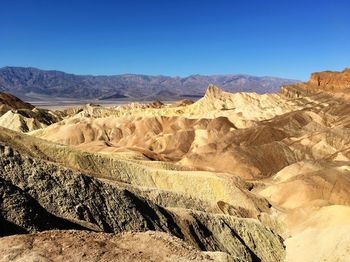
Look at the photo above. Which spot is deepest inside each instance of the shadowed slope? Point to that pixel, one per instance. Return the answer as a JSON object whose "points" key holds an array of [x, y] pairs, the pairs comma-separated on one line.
{"points": [[78, 197]]}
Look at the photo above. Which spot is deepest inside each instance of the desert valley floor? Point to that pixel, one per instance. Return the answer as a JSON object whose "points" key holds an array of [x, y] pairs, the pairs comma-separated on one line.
{"points": [[230, 177]]}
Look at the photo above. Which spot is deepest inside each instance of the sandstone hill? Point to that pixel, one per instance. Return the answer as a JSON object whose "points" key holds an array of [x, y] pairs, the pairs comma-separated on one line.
{"points": [[331, 80], [230, 177], [21, 116], [85, 201]]}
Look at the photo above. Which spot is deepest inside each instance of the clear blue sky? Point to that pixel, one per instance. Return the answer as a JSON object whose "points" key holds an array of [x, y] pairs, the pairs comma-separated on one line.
{"points": [[287, 38]]}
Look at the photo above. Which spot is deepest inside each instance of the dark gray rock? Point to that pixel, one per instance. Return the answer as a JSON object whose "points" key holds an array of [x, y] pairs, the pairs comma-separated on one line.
{"points": [[70, 194], [20, 213]]}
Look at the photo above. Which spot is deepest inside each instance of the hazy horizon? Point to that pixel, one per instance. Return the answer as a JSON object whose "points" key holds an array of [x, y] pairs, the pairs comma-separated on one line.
{"points": [[159, 75]]}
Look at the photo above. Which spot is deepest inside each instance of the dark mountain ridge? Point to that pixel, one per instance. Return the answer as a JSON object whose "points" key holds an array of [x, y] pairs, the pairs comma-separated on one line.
{"points": [[31, 83]]}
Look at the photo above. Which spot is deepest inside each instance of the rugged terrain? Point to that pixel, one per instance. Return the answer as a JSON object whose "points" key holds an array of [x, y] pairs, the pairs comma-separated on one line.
{"points": [[230, 177], [34, 84], [23, 117]]}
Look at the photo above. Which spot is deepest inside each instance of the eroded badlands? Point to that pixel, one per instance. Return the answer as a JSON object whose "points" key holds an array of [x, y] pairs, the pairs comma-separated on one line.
{"points": [[230, 177]]}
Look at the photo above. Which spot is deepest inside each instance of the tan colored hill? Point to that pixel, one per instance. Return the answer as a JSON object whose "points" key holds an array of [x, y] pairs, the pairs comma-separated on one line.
{"points": [[214, 143], [24, 120], [88, 246], [100, 201], [242, 109], [196, 135], [23, 117]]}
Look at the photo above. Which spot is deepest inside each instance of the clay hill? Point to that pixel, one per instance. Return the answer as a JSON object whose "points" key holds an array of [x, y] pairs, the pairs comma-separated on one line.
{"points": [[230, 177], [34, 84], [21, 116]]}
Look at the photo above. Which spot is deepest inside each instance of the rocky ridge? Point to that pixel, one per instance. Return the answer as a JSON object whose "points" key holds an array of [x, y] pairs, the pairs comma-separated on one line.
{"points": [[36, 84], [98, 206]]}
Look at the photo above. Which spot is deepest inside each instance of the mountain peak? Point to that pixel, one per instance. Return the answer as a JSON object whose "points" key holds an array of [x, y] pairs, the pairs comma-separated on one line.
{"points": [[213, 91]]}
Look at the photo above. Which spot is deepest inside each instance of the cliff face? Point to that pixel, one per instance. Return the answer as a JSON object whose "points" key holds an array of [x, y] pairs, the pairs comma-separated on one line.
{"points": [[331, 81]]}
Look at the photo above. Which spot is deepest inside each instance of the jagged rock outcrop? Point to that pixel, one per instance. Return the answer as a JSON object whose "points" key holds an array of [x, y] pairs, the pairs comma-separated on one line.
{"points": [[71, 194], [159, 175], [243, 238], [332, 81], [328, 86]]}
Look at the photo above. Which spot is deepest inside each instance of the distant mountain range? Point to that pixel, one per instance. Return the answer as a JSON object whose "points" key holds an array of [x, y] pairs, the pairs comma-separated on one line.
{"points": [[35, 84]]}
